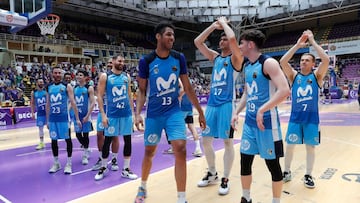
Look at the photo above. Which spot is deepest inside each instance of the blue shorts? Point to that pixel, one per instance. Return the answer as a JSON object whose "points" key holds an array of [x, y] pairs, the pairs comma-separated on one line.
{"points": [[303, 133], [99, 125], [85, 127], [40, 121], [218, 121], [267, 143], [119, 126], [173, 124], [59, 130]]}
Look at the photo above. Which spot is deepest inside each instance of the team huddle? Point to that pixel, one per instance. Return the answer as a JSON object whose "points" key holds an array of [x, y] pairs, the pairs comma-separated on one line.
{"points": [[161, 76]]}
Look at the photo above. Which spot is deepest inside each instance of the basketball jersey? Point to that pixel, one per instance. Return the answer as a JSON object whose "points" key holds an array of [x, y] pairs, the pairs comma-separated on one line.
{"points": [[259, 90], [222, 89], [40, 102], [163, 84], [58, 102], [305, 96], [118, 104], [81, 96]]}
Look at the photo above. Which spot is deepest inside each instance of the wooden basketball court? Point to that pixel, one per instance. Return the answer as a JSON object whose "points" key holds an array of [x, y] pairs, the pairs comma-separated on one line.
{"points": [[336, 171]]}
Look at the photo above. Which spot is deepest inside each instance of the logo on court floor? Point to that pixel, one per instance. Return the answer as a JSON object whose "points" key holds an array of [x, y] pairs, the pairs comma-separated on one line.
{"points": [[356, 177]]}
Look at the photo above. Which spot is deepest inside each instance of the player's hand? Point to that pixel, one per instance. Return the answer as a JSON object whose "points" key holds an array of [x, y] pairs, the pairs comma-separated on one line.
{"points": [[139, 123], [79, 124], [85, 119], [105, 121], [234, 121], [260, 120], [202, 121]]}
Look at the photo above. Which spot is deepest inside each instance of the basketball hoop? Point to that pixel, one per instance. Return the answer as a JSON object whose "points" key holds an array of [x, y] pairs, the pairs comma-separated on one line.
{"points": [[48, 24]]}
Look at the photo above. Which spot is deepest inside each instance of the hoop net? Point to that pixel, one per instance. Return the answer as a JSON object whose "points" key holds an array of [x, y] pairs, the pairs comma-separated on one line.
{"points": [[48, 24]]}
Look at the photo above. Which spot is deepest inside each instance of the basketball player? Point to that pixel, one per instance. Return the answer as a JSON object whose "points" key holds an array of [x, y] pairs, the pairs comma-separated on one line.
{"points": [[58, 95], [100, 135], [221, 100], [118, 119], [265, 88], [38, 103], [85, 102], [158, 80], [304, 121]]}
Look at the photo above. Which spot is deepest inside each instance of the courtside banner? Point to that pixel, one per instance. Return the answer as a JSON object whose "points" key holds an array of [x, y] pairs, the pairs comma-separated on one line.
{"points": [[22, 114], [5, 117]]}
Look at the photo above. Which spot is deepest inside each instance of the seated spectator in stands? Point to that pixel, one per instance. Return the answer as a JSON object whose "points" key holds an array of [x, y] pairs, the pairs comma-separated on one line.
{"points": [[20, 100]]}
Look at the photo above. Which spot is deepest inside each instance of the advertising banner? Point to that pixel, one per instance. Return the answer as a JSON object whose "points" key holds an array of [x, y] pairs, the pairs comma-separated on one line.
{"points": [[22, 114], [5, 117]]}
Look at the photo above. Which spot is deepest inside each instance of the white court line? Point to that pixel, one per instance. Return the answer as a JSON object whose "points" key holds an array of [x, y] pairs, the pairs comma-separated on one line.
{"points": [[342, 141], [49, 150], [2, 198], [86, 170]]}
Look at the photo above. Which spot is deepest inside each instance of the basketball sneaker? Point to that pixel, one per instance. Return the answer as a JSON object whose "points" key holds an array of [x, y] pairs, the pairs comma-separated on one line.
{"points": [[41, 145], [100, 175], [97, 165], [127, 173], [286, 176], [85, 160], [68, 168], [141, 195], [243, 200], [197, 153], [168, 151], [55, 167], [208, 179], [114, 164], [224, 186], [309, 182]]}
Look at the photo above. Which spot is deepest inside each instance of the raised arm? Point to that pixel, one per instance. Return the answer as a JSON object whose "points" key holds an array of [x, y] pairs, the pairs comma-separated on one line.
{"points": [[236, 58], [284, 61], [200, 41], [323, 67]]}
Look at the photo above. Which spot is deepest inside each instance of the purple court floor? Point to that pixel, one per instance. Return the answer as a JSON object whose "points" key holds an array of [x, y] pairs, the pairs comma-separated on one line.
{"points": [[25, 176]]}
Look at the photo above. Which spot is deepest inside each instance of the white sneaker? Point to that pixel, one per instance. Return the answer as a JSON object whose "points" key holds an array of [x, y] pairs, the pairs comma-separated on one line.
{"points": [[286, 176], [41, 145], [55, 168], [208, 179], [168, 151], [97, 165], [114, 165], [85, 159], [197, 153], [100, 175], [68, 168], [127, 173], [224, 186]]}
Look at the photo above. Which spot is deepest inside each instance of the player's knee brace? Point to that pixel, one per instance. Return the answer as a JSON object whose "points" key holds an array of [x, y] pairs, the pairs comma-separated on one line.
{"points": [[275, 169], [246, 164], [127, 145]]}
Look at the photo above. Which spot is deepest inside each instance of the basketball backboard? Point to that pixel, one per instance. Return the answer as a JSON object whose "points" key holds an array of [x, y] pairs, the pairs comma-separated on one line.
{"points": [[33, 10]]}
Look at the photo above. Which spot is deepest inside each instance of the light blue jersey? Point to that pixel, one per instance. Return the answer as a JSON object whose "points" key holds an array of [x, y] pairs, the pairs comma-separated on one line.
{"points": [[222, 89], [305, 99], [118, 101], [163, 84], [58, 103], [40, 102], [81, 96], [259, 90]]}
